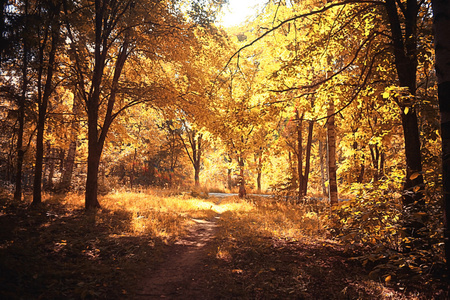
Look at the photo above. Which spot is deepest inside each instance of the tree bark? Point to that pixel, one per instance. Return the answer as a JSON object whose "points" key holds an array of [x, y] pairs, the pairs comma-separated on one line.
{"points": [[259, 174], [322, 168], [229, 181], [242, 190], [21, 114], [43, 100], [96, 137], [66, 178], [300, 154], [21, 119], [441, 11], [331, 142], [48, 185], [94, 155], [405, 56], [196, 145], [308, 158]]}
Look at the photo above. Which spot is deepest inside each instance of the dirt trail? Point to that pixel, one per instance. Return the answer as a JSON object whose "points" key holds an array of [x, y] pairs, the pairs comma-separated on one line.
{"points": [[183, 275]]}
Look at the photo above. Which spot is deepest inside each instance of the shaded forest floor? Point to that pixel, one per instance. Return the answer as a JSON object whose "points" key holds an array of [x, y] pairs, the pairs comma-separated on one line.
{"points": [[181, 248]]}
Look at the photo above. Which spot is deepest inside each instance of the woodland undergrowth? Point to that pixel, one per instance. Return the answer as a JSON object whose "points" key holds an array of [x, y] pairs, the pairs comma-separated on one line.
{"points": [[276, 248], [375, 225]]}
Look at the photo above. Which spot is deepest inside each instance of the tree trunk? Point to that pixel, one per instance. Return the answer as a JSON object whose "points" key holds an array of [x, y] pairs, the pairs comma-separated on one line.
{"points": [[66, 179], [133, 171], [308, 158], [441, 11], [300, 154], [21, 116], [293, 170], [195, 142], [259, 175], [331, 142], [413, 159], [404, 41], [242, 190], [94, 156], [322, 168], [68, 166], [96, 137], [229, 171], [51, 172], [43, 101], [197, 175], [20, 153]]}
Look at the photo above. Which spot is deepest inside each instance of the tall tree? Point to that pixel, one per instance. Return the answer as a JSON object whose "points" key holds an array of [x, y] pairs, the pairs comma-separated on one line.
{"points": [[441, 11], [22, 100], [126, 32], [49, 35], [402, 19], [331, 155]]}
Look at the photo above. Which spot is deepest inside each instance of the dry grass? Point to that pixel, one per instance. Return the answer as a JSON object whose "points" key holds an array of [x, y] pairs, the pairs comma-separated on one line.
{"points": [[58, 250], [268, 218], [156, 214], [277, 248]]}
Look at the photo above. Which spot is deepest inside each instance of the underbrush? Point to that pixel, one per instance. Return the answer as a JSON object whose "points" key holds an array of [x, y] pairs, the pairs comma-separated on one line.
{"points": [[280, 251], [377, 226]]}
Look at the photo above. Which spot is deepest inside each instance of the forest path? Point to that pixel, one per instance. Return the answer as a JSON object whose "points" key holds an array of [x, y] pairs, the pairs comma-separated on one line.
{"points": [[183, 275]]}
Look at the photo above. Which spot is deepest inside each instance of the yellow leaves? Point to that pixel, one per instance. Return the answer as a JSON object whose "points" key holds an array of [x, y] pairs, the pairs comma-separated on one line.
{"points": [[406, 110], [414, 175]]}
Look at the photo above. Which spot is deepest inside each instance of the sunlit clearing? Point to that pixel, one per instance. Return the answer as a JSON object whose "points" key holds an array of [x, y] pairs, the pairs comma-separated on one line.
{"points": [[269, 218], [168, 216]]}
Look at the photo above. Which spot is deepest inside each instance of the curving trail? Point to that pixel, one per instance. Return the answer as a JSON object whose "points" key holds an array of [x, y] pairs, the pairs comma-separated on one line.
{"points": [[184, 274]]}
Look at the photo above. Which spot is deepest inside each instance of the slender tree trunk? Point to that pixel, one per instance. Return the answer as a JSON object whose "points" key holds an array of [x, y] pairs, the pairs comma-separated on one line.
{"points": [[308, 158], [62, 155], [19, 147], [441, 11], [259, 175], [322, 168], [331, 141], [66, 179], [242, 190], [375, 155], [21, 115], [293, 170], [2, 28], [68, 166], [198, 159], [300, 155], [43, 102], [360, 178], [229, 180], [51, 170]]}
